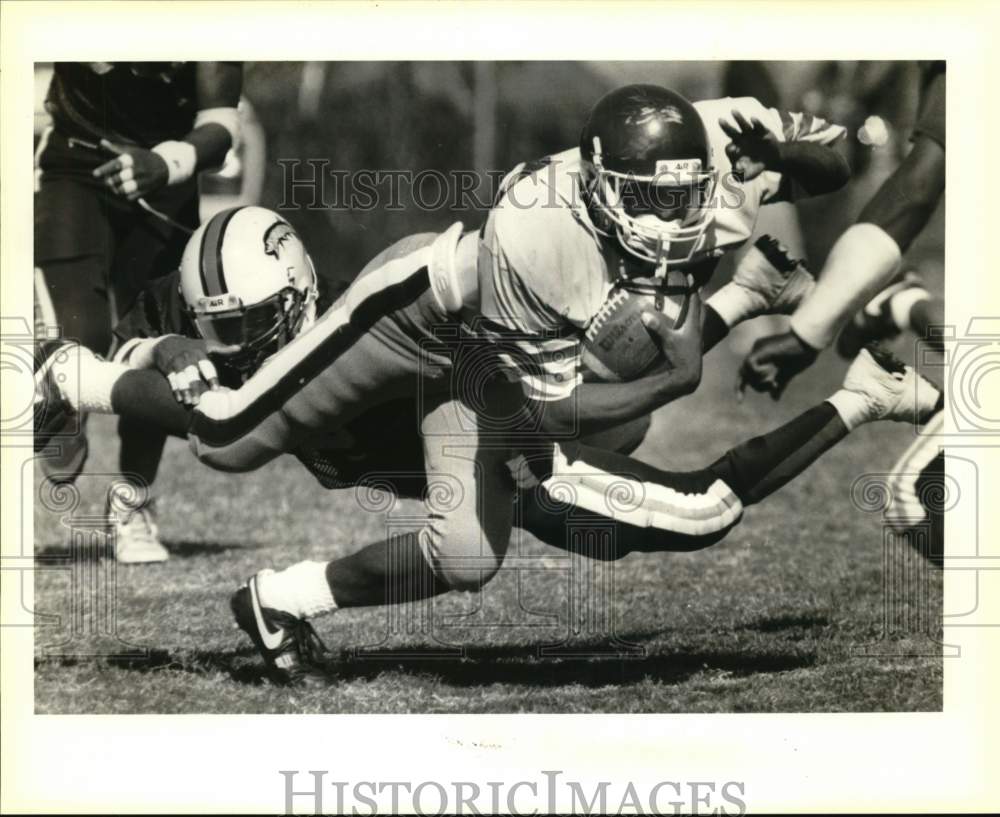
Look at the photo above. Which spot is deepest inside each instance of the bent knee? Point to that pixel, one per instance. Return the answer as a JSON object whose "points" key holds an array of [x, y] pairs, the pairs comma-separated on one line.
{"points": [[462, 556], [463, 576]]}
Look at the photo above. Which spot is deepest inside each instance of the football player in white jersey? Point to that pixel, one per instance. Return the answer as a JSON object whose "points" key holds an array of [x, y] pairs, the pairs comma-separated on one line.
{"points": [[471, 329], [656, 185]]}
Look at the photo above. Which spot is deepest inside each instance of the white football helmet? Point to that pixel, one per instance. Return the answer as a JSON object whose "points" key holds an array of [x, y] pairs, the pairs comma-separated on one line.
{"points": [[248, 283]]}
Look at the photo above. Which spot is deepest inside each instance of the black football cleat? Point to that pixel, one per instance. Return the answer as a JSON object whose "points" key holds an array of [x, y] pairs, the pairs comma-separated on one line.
{"points": [[57, 426], [292, 651], [52, 412]]}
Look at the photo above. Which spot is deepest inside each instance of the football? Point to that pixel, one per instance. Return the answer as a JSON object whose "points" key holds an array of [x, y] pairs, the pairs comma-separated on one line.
{"points": [[617, 346]]}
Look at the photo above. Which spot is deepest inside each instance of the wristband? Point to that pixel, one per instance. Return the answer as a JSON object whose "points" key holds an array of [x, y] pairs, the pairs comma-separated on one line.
{"points": [[181, 160], [228, 118]]}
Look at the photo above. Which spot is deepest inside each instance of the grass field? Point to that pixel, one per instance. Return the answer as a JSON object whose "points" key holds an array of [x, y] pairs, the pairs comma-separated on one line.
{"points": [[771, 619], [775, 618]]}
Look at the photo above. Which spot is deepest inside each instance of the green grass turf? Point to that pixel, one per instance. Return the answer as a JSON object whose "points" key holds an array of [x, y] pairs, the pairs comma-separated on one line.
{"points": [[771, 619], [775, 618]]}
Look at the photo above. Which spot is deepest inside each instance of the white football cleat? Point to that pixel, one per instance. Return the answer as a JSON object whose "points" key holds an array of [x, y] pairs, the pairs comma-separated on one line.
{"points": [[135, 535], [890, 390]]}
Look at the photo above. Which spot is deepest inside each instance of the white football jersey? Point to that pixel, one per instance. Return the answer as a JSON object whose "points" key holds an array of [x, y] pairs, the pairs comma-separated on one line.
{"points": [[543, 271]]}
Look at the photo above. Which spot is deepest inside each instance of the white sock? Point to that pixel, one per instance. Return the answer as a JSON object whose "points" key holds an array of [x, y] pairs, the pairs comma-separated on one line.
{"points": [[853, 408], [861, 262], [301, 590], [902, 302], [85, 380]]}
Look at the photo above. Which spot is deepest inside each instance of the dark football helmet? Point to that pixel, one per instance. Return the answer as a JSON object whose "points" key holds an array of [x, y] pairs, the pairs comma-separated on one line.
{"points": [[651, 177]]}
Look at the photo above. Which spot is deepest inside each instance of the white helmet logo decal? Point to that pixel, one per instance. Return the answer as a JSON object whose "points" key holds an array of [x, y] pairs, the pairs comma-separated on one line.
{"points": [[275, 236]]}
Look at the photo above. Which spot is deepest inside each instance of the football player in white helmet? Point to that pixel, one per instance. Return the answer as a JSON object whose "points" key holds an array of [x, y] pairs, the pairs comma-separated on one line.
{"points": [[246, 286], [267, 297]]}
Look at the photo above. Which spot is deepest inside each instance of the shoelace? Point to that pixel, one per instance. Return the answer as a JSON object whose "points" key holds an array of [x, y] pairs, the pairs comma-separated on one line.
{"points": [[311, 647], [141, 526]]}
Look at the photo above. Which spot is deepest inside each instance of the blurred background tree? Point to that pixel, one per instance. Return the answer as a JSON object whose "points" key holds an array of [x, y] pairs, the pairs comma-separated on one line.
{"points": [[486, 117]]}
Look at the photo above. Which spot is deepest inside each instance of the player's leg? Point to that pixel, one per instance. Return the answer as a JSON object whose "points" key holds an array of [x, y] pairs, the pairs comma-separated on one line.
{"points": [[147, 247], [72, 246], [864, 259], [133, 512], [655, 510], [469, 512], [903, 306], [905, 202], [916, 486]]}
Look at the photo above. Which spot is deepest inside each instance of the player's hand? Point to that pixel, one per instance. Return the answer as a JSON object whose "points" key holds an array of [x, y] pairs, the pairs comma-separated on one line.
{"points": [[773, 362], [773, 282], [185, 364], [134, 172], [681, 346], [752, 149]]}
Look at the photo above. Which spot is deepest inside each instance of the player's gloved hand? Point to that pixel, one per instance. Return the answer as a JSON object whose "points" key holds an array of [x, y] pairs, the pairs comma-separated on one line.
{"points": [[773, 362], [134, 172], [771, 280], [185, 364], [681, 346], [752, 149]]}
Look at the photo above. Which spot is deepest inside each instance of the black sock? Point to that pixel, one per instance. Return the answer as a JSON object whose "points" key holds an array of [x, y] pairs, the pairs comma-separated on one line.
{"points": [[759, 467], [141, 449]]}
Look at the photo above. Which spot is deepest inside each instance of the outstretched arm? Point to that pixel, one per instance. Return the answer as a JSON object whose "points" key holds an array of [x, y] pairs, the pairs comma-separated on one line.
{"points": [[861, 262], [816, 167]]}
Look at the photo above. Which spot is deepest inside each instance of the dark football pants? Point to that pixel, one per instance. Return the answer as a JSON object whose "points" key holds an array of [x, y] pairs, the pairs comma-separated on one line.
{"points": [[97, 251]]}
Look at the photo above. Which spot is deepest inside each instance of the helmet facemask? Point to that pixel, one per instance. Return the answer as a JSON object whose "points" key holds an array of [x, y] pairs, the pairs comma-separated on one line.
{"points": [[660, 218], [245, 336], [248, 284]]}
